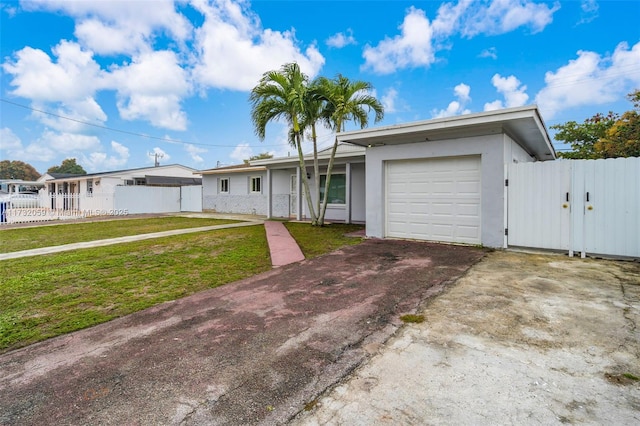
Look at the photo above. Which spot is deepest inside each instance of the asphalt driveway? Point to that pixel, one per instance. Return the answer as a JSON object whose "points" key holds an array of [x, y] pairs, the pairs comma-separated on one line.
{"points": [[258, 351]]}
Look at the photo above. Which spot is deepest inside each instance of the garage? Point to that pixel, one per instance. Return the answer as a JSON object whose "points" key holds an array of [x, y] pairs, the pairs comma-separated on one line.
{"points": [[435, 199], [446, 179]]}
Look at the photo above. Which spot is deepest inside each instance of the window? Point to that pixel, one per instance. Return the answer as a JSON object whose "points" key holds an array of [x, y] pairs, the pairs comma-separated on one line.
{"points": [[224, 185], [337, 189], [256, 185], [89, 187]]}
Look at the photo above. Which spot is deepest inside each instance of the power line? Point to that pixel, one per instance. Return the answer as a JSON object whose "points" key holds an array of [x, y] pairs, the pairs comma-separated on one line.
{"points": [[127, 132]]}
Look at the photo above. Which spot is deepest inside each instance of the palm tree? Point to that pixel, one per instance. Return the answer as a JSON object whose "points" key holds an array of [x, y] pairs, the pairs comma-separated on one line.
{"points": [[280, 95], [287, 94], [344, 100]]}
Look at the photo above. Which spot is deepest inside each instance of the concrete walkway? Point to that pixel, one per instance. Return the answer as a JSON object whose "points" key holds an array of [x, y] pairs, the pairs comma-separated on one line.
{"points": [[284, 249]]}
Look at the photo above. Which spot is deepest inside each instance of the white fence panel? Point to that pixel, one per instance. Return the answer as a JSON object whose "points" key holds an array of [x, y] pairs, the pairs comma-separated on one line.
{"points": [[539, 205], [587, 206], [191, 198], [146, 199], [609, 191]]}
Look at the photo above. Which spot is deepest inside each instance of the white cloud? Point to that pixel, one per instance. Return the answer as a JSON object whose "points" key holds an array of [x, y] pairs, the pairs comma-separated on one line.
{"points": [[462, 92], [75, 113], [489, 53], [103, 161], [115, 27], [10, 141], [75, 75], [12, 147], [234, 50], [38, 152], [152, 88], [341, 40], [412, 48], [503, 16], [589, 11], [68, 142], [388, 100], [512, 90], [195, 152], [457, 107], [420, 39], [241, 152], [590, 79]]}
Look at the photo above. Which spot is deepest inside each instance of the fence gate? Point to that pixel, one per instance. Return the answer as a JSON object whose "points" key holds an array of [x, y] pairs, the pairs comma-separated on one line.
{"points": [[191, 198], [586, 206]]}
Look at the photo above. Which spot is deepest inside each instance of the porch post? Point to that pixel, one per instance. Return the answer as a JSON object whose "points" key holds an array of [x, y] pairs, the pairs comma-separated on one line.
{"points": [[269, 195], [347, 194], [298, 193]]}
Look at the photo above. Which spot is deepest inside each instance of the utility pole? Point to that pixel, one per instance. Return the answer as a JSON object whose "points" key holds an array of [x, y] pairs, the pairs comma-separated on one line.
{"points": [[157, 156]]}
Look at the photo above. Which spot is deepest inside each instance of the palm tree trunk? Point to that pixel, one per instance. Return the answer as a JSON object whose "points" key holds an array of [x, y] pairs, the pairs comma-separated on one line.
{"points": [[316, 167], [327, 182], [305, 181]]}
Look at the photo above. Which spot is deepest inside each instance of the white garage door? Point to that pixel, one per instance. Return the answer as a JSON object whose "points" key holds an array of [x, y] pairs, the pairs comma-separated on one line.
{"points": [[434, 199]]}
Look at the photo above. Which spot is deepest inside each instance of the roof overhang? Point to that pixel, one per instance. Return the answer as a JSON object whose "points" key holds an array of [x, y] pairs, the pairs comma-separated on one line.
{"points": [[229, 170], [522, 124], [348, 153]]}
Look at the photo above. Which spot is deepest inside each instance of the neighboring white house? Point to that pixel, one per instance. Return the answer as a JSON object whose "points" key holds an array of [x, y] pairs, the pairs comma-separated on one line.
{"points": [[104, 191], [273, 187]]}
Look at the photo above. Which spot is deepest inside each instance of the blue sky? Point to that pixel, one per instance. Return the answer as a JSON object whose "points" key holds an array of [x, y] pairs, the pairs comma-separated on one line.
{"points": [[111, 83]]}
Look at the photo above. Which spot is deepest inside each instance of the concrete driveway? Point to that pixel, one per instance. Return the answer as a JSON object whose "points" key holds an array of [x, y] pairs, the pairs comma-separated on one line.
{"points": [[253, 352], [522, 339]]}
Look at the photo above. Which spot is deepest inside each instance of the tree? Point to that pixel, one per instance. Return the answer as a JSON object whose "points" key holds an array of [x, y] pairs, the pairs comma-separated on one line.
{"points": [[288, 94], [262, 156], [68, 165], [345, 100], [281, 95], [18, 170], [622, 139], [603, 136]]}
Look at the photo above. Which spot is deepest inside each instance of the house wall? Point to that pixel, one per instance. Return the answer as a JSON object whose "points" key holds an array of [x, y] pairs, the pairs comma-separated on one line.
{"points": [[514, 153], [491, 149], [239, 199], [281, 197], [358, 193]]}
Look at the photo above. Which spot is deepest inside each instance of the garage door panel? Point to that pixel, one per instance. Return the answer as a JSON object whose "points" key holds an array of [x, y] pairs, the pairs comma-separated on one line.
{"points": [[472, 211], [434, 199]]}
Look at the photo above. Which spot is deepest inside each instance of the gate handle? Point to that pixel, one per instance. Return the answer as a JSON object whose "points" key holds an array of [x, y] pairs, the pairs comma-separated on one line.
{"points": [[567, 197], [587, 197]]}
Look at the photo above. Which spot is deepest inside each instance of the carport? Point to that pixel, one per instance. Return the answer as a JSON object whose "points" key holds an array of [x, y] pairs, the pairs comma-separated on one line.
{"points": [[445, 179]]}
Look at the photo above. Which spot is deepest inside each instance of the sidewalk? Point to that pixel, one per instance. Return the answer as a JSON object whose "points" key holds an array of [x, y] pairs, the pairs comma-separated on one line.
{"points": [[284, 249]]}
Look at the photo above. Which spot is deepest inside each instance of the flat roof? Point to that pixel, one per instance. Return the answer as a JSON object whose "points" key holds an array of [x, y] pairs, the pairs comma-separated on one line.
{"points": [[523, 124]]}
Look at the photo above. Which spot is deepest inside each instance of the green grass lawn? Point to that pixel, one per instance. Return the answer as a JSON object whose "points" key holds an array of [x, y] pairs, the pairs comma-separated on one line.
{"points": [[45, 236], [315, 240], [49, 295]]}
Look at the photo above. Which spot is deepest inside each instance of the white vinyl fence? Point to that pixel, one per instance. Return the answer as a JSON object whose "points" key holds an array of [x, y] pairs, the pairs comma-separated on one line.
{"points": [[124, 201], [50, 206], [585, 206], [191, 198]]}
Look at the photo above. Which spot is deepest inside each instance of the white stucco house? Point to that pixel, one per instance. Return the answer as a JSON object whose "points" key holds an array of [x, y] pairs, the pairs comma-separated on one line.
{"points": [[273, 187], [445, 179], [441, 180]]}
